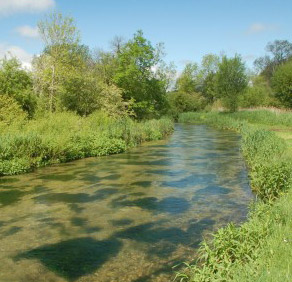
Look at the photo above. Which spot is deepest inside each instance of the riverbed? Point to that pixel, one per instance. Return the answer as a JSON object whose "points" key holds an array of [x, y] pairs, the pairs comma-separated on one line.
{"points": [[129, 217]]}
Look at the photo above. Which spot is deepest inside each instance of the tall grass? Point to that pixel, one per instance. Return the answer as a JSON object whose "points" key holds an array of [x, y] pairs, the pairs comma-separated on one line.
{"points": [[247, 252], [264, 117], [64, 137]]}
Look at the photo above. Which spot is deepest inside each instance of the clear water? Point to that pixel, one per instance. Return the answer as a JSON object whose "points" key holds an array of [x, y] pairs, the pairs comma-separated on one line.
{"points": [[128, 217]]}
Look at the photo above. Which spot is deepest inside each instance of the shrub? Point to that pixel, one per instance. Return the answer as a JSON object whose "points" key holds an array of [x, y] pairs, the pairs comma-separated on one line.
{"points": [[281, 83], [10, 111], [181, 102]]}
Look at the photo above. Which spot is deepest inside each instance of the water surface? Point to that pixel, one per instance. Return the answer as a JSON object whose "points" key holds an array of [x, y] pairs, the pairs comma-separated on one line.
{"points": [[128, 217]]}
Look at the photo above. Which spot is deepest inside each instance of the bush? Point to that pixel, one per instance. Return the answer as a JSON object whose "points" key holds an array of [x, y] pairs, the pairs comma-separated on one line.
{"points": [[10, 111], [181, 102], [281, 83]]}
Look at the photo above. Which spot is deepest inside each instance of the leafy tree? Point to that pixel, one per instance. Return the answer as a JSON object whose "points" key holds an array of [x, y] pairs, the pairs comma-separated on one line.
{"points": [[280, 50], [207, 75], [62, 56], [282, 83], [111, 101], [188, 80], [105, 66], [258, 93], [136, 77], [231, 81], [81, 93], [17, 83]]}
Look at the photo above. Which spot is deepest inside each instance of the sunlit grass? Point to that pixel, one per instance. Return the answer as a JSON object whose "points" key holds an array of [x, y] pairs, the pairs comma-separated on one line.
{"points": [[63, 137], [261, 248]]}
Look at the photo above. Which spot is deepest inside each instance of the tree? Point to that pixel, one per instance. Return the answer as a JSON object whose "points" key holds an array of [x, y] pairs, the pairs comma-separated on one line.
{"points": [[81, 93], [231, 81], [62, 54], [258, 93], [105, 66], [17, 83], [135, 76], [280, 50], [207, 76], [282, 83], [188, 80]]}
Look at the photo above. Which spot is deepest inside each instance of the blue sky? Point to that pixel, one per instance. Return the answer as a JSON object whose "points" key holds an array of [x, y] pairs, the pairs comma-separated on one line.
{"points": [[189, 28]]}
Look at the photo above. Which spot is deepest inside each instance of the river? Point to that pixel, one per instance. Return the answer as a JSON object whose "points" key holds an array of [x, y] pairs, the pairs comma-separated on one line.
{"points": [[129, 217]]}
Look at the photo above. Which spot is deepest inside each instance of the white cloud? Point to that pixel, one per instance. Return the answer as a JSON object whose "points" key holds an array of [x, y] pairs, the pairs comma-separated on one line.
{"points": [[249, 57], [8, 7], [256, 28], [27, 31], [12, 50]]}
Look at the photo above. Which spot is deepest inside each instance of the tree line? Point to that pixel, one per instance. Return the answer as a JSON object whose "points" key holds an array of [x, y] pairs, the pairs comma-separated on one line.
{"points": [[220, 81], [132, 78]]}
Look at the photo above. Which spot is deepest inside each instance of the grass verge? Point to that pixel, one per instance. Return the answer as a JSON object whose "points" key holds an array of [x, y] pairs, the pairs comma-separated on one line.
{"points": [[261, 248]]}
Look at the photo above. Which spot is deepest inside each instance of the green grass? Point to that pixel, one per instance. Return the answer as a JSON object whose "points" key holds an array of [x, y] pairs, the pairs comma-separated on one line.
{"points": [[64, 137], [261, 248]]}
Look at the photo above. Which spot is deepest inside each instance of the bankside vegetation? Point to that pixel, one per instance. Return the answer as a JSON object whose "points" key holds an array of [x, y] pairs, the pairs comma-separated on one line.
{"points": [[63, 137], [76, 103], [260, 249]]}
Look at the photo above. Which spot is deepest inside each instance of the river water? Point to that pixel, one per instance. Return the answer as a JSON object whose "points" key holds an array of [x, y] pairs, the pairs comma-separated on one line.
{"points": [[128, 217]]}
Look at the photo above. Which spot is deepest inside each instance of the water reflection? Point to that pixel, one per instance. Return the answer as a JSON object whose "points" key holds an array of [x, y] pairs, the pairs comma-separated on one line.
{"points": [[128, 217]]}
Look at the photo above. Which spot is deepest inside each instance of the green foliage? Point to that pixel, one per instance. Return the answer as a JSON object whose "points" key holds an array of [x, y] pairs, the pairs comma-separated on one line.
{"points": [[65, 136], [207, 76], [17, 83], [10, 111], [181, 102], [281, 52], [62, 60], [282, 83], [188, 80], [259, 93], [136, 78], [240, 253], [81, 93], [231, 81]]}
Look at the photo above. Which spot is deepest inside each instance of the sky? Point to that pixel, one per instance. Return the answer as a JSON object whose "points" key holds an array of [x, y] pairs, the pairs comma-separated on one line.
{"points": [[188, 28]]}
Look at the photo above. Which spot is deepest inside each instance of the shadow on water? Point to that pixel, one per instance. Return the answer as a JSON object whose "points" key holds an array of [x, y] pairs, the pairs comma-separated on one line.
{"points": [[74, 258], [10, 197], [76, 198], [172, 205]]}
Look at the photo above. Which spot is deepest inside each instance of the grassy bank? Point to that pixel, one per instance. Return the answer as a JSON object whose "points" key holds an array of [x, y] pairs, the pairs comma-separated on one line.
{"points": [[65, 136], [261, 248]]}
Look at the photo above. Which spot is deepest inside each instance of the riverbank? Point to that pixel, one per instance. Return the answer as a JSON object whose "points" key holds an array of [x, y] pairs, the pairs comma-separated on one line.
{"points": [[261, 248], [64, 137]]}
